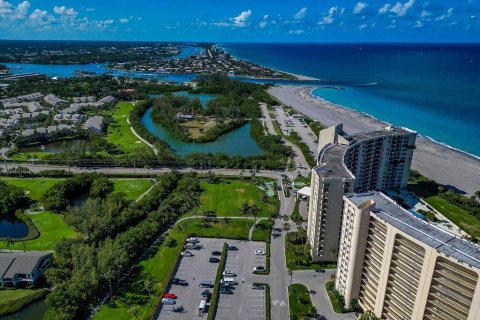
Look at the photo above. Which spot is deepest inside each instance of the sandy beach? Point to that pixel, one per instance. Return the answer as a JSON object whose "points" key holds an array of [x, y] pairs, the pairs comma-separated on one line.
{"points": [[436, 161]]}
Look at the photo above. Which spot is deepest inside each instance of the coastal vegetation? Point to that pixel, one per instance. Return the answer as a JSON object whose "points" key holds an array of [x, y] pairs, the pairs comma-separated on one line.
{"points": [[11, 199], [300, 303], [464, 211], [297, 253], [336, 299]]}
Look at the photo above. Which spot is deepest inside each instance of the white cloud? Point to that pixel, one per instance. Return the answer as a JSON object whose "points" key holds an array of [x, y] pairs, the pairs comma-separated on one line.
{"points": [[65, 11], [385, 8], [108, 22], [302, 13], [241, 19], [418, 24], [90, 9], [9, 11], [359, 7], [297, 32], [363, 26], [40, 17], [262, 24], [400, 9], [425, 14], [445, 16], [328, 19], [123, 20]]}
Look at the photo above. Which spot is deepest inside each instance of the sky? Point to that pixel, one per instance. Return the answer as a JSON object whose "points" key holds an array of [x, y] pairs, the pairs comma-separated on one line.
{"points": [[242, 20]]}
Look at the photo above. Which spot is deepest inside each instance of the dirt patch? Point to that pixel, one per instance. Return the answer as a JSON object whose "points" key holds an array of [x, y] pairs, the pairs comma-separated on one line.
{"points": [[240, 190]]}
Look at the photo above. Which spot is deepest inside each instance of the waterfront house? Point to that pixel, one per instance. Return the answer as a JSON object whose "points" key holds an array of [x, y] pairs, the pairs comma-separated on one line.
{"points": [[23, 267], [94, 124]]}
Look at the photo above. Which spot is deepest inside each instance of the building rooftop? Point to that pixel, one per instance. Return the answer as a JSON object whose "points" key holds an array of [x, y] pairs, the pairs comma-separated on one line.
{"points": [[19, 262], [389, 131], [331, 162], [441, 240]]}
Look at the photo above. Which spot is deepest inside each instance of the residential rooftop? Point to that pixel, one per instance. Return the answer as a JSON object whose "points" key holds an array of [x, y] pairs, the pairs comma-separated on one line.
{"points": [[434, 237], [331, 162], [388, 131]]}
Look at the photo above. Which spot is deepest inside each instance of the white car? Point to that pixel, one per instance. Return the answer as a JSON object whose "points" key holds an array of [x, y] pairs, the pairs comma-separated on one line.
{"points": [[168, 301], [258, 269], [187, 254], [192, 240], [229, 273], [260, 252]]}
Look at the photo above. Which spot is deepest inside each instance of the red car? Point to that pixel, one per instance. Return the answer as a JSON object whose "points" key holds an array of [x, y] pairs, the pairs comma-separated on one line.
{"points": [[170, 295]]}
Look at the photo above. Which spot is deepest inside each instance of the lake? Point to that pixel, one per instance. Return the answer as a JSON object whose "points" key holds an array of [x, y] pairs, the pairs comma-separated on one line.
{"points": [[34, 311], [203, 97], [12, 228], [234, 143]]}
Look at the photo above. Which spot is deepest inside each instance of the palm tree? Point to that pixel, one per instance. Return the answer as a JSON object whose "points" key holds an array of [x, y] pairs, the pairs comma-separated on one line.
{"points": [[9, 242], [254, 210], [244, 210]]}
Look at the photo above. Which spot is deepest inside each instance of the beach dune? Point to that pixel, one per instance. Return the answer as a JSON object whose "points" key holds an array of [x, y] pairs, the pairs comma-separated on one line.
{"points": [[434, 160]]}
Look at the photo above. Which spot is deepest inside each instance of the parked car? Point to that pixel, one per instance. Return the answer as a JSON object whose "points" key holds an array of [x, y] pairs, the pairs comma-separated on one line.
{"points": [[192, 246], [233, 248], [168, 301], [216, 253], [187, 254], [257, 286], [260, 252], [179, 282], [206, 284], [192, 240], [229, 273], [170, 295], [226, 290], [177, 309], [258, 269], [214, 260], [206, 293]]}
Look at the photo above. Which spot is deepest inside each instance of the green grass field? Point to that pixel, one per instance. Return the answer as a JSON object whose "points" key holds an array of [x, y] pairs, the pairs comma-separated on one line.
{"points": [[14, 300], [156, 266], [262, 231], [457, 215], [24, 156], [36, 187], [133, 188], [52, 229], [226, 198], [119, 132], [299, 301]]}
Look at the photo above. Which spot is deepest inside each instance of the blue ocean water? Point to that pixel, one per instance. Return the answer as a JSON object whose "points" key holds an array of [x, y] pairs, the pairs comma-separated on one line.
{"points": [[431, 88]]}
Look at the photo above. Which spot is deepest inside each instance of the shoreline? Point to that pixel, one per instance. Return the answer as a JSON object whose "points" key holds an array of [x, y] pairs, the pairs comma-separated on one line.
{"points": [[437, 161]]}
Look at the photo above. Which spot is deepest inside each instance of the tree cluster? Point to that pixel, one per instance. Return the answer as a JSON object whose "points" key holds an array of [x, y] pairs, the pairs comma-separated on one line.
{"points": [[114, 234]]}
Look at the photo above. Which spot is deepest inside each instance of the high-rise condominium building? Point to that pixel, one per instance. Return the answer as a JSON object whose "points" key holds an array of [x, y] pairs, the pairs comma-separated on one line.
{"points": [[401, 267], [377, 160]]}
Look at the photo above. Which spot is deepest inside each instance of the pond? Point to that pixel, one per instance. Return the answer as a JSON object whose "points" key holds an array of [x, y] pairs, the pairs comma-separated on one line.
{"points": [[34, 311], [12, 228], [203, 97], [52, 147], [235, 143]]}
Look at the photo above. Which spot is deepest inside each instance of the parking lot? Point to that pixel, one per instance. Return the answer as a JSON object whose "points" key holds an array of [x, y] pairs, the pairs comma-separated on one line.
{"points": [[193, 270], [243, 303]]}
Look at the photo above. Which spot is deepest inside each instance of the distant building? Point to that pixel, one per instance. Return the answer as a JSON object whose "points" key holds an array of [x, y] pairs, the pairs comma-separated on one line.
{"points": [[23, 267], [376, 160], [53, 100], [94, 124], [107, 100], [401, 267]]}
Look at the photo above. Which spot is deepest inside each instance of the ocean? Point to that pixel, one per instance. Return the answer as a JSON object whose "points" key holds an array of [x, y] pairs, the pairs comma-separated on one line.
{"points": [[431, 88]]}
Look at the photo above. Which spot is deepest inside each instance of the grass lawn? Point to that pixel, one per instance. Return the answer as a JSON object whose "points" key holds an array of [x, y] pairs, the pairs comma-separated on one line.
{"points": [[297, 258], [24, 156], [119, 132], [36, 187], [133, 188], [226, 198], [14, 300], [299, 301], [52, 229], [157, 266], [262, 231], [457, 215], [335, 298]]}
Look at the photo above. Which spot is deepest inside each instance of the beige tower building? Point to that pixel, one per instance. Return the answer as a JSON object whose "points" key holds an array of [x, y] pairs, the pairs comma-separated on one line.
{"points": [[376, 160], [401, 267]]}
